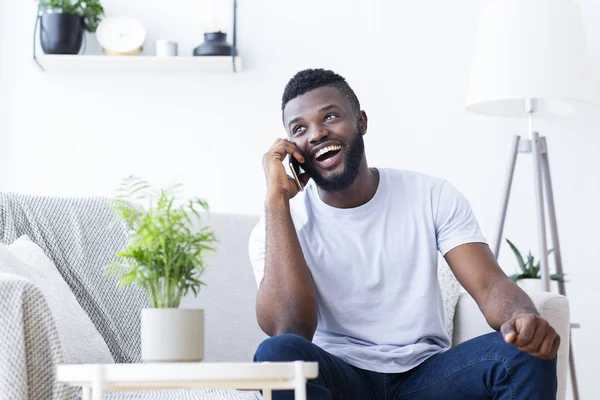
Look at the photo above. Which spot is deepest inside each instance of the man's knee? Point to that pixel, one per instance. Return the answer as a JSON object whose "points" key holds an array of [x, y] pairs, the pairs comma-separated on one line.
{"points": [[287, 347], [535, 366], [522, 361]]}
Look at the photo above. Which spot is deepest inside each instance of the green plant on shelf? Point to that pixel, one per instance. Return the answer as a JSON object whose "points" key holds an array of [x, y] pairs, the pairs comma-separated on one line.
{"points": [[91, 11], [530, 269]]}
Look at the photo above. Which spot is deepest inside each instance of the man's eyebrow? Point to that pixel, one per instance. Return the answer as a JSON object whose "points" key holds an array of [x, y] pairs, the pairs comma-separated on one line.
{"points": [[295, 120], [329, 107]]}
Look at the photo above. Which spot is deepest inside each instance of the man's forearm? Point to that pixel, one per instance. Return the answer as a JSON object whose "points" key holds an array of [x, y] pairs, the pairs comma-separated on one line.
{"points": [[286, 300], [504, 301]]}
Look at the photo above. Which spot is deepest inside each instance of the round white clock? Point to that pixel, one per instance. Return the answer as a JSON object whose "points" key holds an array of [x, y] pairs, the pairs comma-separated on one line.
{"points": [[121, 36]]}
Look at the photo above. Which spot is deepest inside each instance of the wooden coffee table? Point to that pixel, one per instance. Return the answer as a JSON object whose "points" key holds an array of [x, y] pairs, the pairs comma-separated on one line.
{"points": [[95, 379]]}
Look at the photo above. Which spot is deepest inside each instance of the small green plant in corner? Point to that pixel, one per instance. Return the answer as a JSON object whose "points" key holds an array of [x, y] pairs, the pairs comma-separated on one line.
{"points": [[164, 255], [91, 11], [530, 269]]}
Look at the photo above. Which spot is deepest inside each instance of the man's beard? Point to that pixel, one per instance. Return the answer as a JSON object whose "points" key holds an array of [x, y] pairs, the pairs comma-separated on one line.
{"points": [[353, 156]]}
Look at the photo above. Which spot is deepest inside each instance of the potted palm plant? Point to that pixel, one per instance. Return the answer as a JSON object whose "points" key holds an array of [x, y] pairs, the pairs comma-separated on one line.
{"points": [[166, 258], [63, 22], [529, 278]]}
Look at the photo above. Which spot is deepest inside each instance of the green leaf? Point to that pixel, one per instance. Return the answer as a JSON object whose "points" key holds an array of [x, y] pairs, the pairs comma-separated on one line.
{"points": [[91, 11], [535, 270], [558, 277], [517, 255]]}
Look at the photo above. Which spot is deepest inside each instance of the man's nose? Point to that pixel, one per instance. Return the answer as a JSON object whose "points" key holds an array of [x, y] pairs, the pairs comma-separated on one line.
{"points": [[318, 134]]}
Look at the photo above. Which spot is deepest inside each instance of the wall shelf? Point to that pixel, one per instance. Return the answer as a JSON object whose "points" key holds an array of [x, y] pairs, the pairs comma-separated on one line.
{"points": [[104, 64], [137, 64]]}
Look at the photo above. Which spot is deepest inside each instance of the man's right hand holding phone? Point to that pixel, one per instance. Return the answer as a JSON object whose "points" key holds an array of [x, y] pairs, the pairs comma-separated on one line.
{"points": [[278, 181], [287, 298]]}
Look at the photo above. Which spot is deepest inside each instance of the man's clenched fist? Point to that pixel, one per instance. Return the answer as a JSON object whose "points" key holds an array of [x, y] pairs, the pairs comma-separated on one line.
{"points": [[532, 334]]}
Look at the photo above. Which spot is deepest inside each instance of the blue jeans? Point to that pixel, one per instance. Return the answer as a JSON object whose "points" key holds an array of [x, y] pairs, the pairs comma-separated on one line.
{"points": [[482, 368]]}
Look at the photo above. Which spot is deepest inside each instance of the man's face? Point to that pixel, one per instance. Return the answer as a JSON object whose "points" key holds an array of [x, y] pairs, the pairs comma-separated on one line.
{"points": [[329, 133]]}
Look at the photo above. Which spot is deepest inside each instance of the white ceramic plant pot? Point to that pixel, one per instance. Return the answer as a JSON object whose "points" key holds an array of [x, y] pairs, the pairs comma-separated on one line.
{"points": [[530, 285], [172, 334]]}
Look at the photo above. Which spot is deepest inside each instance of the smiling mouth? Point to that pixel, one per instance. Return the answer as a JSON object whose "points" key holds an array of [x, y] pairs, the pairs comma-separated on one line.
{"points": [[328, 158], [327, 152]]}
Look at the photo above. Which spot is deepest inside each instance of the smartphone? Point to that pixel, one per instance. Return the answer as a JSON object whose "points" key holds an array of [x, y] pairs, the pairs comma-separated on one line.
{"points": [[295, 167]]}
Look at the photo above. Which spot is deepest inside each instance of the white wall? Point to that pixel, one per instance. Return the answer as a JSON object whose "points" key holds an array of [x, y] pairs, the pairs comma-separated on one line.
{"points": [[408, 63]]}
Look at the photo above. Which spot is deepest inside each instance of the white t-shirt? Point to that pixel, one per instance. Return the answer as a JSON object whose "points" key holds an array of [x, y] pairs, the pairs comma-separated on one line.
{"points": [[375, 267]]}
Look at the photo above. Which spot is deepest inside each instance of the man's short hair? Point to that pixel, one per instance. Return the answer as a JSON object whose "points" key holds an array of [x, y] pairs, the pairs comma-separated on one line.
{"points": [[310, 79]]}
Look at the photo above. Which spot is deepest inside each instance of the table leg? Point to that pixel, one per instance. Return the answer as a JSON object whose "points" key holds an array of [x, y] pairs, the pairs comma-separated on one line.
{"points": [[86, 393], [299, 380], [266, 394], [98, 384], [300, 391]]}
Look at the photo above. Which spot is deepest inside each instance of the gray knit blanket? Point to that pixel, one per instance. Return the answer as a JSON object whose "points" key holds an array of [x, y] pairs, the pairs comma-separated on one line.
{"points": [[30, 347]]}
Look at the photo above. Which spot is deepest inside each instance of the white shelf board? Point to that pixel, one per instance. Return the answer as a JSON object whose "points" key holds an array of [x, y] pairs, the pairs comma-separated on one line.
{"points": [[138, 64]]}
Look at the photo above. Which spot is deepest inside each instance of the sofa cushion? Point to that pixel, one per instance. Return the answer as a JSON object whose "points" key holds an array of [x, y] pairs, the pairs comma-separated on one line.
{"points": [[451, 290], [229, 297], [80, 341], [80, 236]]}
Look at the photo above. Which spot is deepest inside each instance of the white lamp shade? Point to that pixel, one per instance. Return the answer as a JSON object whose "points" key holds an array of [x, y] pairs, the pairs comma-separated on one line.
{"points": [[530, 49]]}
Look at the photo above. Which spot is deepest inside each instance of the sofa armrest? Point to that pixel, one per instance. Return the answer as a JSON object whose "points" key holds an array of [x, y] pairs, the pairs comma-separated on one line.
{"points": [[469, 322], [30, 347]]}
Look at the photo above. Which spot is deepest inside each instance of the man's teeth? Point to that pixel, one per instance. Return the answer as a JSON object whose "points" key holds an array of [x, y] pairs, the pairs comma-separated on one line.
{"points": [[326, 149]]}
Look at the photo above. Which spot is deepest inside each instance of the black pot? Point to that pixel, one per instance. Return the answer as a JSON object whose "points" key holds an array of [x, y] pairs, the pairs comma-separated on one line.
{"points": [[215, 45], [61, 33]]}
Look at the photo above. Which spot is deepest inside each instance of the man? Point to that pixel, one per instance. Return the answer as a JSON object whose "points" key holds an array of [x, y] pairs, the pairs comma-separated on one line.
{"points": [[347, 270]]}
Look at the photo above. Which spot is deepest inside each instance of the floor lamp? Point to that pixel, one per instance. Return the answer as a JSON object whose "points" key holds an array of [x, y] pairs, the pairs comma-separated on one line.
{"points": [[530, 61]]}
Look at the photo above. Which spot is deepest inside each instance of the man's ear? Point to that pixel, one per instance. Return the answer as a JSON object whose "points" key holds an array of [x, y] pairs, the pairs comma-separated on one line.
{"points": [[362, 122]]}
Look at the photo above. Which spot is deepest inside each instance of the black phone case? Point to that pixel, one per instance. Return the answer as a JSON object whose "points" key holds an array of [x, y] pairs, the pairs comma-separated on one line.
{"points": [[296, 166]]}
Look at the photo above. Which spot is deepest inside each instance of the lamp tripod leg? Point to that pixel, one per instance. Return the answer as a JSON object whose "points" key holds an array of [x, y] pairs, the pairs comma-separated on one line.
{"points": [[572, 373], [552, 215], [557, 253], [541, 215], [507, 187]]}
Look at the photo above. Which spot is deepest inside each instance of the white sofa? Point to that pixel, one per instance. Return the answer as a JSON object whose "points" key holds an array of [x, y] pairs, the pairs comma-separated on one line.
{"points": [[232, 333]]}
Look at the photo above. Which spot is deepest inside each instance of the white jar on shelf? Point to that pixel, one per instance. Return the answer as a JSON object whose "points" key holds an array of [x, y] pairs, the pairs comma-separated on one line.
{"points": [[166, 48]]}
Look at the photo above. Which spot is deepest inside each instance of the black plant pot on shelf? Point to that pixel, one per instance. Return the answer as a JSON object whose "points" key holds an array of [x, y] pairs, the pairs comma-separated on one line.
{"points": [[215, 44], [61, 33]]}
